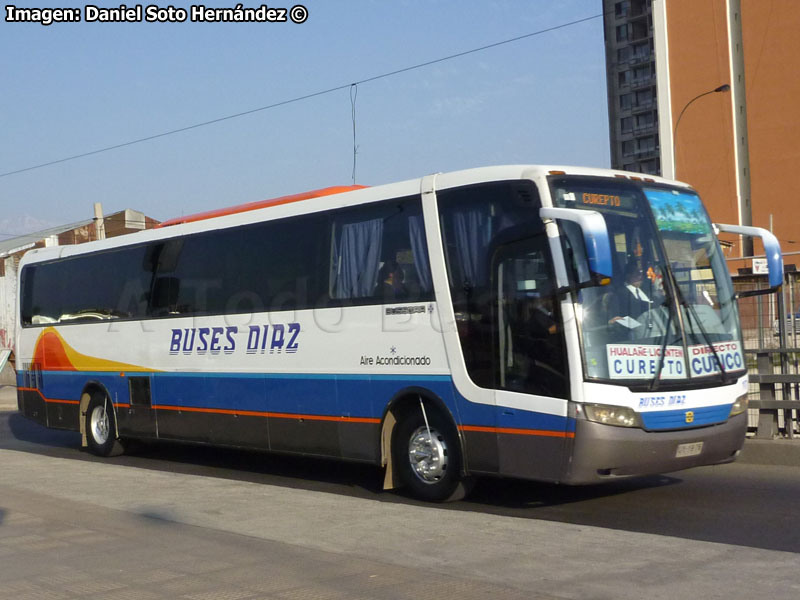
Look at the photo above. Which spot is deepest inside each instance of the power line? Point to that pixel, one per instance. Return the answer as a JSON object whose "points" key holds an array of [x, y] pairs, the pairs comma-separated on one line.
{"points": [[305, 97]]}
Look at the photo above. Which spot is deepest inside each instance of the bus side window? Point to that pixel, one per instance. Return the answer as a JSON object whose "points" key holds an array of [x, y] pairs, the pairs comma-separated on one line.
{"points": [[379, 254], [165, 296]]}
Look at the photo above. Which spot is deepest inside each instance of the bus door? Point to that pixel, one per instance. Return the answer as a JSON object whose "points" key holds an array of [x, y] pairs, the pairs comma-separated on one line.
{"points": [[530, 360]]}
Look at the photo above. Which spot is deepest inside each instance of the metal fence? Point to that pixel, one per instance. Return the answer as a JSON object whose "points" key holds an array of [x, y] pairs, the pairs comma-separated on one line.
{"points": [[771, 331]]}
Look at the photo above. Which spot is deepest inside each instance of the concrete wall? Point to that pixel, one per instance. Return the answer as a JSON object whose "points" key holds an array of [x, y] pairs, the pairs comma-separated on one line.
{"points": [[7, 375], [8, 296]]}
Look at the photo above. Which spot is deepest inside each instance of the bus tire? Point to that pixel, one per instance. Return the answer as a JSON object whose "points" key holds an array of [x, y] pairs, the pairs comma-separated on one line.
{"points": [[429, 466], [101, 427]]}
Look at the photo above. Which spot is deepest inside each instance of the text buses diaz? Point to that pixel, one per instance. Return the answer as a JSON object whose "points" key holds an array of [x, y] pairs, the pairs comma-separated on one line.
{"points": [[568, 325]]}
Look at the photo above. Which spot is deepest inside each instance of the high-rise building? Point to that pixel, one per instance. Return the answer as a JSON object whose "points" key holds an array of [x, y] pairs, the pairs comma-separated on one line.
{"points": [[631, 80]]}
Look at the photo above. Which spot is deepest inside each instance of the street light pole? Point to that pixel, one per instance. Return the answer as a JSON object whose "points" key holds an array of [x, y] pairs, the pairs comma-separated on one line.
{"points": [[723, 88]]}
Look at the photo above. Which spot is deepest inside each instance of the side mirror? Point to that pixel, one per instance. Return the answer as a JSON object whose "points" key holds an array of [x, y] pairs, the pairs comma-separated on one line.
{"points": [[595, 237], [772, 249]]}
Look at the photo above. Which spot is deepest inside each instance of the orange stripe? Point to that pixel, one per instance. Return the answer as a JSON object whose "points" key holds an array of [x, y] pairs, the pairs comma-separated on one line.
{"points": [[48, 400], [219, 411], [538, 432], [252, 413], [325, 418], [224, 411], [329, 191]]}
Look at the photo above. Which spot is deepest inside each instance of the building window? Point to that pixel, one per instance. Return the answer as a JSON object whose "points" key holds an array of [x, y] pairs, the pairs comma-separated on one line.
{"points": [[623, 32], [626, 101], [639, 30], [628, 148], [624, 78], [624, 54], [651, 166], [641, 51], [626, 124], [639, 7], [644, 97], [621, 9], [643, 72], [647, 119], [647, 144]]}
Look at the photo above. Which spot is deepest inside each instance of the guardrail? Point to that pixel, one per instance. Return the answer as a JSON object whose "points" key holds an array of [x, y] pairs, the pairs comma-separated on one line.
{"points": [[767, 404]]}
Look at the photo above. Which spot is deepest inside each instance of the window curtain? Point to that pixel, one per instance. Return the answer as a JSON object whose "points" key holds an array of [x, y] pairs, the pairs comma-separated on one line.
{"points": [[357, 259], [472, 231], [416, 233]]}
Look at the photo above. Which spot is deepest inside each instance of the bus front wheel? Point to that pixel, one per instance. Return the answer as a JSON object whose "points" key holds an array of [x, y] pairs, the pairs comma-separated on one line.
{"points": [[428, 457], [101, 428]]}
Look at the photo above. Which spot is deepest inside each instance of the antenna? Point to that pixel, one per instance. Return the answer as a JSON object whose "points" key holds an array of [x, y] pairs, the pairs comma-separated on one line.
{"points": [[353, 96]]}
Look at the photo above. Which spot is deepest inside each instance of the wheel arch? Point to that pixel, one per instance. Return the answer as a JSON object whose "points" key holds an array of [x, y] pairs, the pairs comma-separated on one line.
{"points": [[89, 389], [402, 403]]}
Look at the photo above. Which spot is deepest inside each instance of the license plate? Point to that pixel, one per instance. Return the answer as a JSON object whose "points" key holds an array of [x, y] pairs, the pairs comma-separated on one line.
{"points": [[692, 449]]}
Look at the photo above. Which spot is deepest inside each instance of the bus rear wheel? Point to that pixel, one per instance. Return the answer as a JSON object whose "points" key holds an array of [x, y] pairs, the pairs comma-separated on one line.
{"points": [[428, 457], [101, 427]]}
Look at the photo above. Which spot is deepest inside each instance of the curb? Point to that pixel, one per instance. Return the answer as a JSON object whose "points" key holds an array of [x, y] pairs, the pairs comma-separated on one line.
{"points": [[778, 452], [8, 397]]}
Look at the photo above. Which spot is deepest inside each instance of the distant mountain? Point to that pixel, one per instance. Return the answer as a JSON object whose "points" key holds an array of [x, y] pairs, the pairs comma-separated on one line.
{"points": [[15, 226]]}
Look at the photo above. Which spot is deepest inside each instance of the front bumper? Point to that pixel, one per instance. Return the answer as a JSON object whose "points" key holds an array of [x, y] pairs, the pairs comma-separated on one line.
{"points": [[602, 452]]}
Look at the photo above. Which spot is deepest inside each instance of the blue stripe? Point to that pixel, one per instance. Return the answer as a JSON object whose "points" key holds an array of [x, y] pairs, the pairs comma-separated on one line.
{"points": [[323, 394]]}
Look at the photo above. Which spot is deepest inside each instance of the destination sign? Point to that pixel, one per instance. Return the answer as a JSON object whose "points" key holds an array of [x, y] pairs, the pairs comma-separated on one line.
{"points": [[598, 198], [602, 200], [640, 361]]}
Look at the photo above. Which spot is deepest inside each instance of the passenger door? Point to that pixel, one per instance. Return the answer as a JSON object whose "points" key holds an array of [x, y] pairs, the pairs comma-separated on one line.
{"points": [[529, 359]]}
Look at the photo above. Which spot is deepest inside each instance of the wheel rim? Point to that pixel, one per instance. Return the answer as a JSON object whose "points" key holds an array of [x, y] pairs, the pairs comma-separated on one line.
{"points": [[99, 425], [428, 455]]}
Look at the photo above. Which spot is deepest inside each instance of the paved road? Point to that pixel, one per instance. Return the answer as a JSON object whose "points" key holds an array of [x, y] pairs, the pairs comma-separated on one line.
{"points": [[177, 521]]}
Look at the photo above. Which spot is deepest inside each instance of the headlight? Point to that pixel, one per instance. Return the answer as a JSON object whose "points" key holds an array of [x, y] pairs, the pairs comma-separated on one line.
{"points": [[619, 416], [739, 406]]}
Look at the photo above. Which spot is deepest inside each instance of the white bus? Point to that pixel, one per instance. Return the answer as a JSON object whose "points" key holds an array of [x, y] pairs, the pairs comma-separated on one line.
{"points": [[561, 324]]}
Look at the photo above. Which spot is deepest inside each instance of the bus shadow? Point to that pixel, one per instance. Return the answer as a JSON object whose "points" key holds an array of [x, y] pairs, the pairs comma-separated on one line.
{"points": [[490, 495], [518, 496], [25, 430], [255, 466]]}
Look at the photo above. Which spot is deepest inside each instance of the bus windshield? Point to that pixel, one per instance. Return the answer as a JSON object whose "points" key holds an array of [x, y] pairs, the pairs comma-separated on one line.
{"points": [[669, 311]]}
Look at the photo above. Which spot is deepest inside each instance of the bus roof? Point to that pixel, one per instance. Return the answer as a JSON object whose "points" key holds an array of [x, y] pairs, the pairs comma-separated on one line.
{"points": [[240, 208], [238, 215]]}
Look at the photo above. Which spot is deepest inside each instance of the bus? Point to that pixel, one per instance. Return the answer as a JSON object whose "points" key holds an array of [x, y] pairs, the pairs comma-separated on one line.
{"points": [[559, 324]]}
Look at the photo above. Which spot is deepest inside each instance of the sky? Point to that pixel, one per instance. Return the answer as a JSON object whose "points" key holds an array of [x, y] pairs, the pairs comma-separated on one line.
{"points": [[74, 88]]}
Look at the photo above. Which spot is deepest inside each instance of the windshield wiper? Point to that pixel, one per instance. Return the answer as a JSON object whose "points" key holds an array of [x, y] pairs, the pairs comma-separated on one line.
{"points": [[668, 303], [690, 310]]}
